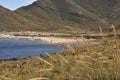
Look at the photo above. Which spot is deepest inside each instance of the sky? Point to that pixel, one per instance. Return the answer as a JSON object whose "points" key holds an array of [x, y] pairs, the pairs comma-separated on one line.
{"points": [[14, 4]]}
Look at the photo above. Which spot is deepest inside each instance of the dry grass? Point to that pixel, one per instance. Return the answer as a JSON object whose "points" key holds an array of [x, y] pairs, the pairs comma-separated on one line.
{"points": [[90, 62], [42, 78], [101, 32]]}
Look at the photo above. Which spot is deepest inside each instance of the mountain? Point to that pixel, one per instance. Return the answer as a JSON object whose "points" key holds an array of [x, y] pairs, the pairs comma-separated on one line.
{"points": [[11, 21], [63, 15]]}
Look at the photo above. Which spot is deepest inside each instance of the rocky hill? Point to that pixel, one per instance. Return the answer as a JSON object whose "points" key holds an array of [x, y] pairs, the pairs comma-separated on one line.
{"points": [[62, 15]]}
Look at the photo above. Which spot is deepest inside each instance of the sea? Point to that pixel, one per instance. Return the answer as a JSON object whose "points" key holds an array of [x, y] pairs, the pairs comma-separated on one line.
{"points": [[16, 48]]}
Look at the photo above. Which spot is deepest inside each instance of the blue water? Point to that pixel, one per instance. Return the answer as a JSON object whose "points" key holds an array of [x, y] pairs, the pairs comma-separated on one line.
{"points": [[10, 48]]}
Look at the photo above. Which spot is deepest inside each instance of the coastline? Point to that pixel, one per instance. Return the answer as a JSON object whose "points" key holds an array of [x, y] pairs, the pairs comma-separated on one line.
{"points": [[51, 40], [48, 39]]}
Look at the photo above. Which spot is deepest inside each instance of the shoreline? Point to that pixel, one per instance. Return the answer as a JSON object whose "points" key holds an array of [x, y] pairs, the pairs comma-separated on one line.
{"points": [[52, 38]]}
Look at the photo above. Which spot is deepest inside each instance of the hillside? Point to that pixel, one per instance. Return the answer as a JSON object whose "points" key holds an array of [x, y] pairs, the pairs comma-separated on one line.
{"points": [[11, 21], [63, 15]]}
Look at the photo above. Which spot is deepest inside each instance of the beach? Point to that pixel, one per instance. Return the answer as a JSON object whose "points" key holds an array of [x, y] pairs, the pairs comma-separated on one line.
{"points": [[46, 37], [58, 40]]}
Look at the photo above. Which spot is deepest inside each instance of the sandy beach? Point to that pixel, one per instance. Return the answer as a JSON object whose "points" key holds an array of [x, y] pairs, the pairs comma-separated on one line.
{"points": [[57, 40], [51, 40]]}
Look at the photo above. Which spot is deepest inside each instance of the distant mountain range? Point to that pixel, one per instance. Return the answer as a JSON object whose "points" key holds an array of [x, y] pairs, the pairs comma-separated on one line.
{"points": [[61, 15]]}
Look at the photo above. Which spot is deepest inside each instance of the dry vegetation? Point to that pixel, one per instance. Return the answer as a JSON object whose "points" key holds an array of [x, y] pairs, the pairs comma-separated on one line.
{"points": [[94, 62]]}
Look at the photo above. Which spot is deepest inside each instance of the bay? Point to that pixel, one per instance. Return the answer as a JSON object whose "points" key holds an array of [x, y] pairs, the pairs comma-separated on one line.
{"points": [[12, 48]]}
